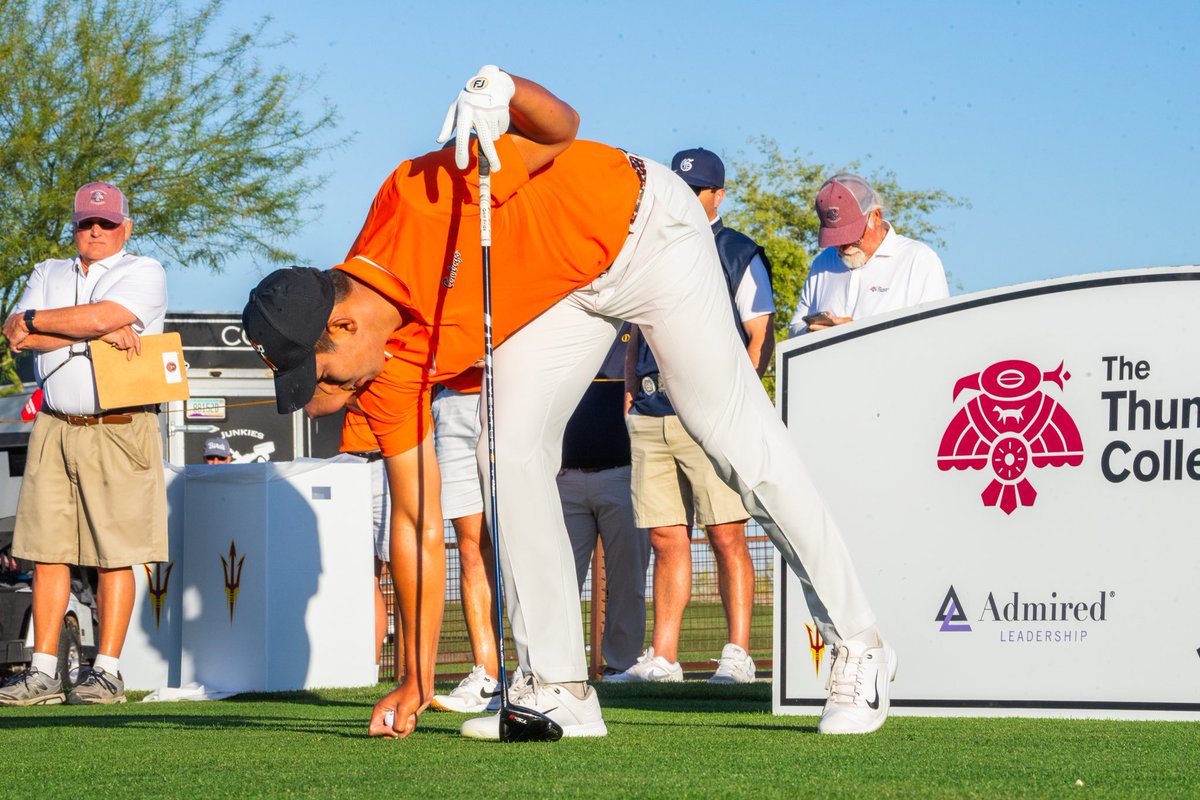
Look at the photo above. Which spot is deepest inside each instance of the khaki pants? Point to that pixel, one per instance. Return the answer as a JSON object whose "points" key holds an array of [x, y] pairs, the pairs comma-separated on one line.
{"points": [[93, 495]]}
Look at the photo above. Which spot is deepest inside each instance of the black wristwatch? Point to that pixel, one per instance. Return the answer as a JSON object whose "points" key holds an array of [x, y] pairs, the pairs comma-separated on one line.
{"points": [[29, 314]]}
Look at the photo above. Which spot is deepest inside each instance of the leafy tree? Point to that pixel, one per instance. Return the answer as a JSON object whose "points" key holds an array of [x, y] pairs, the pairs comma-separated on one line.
{"points": [[209, 145], [772, 202]]}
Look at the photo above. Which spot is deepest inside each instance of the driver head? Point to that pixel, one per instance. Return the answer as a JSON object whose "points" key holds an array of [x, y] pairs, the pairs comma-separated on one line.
{"points": [[521, 724]]}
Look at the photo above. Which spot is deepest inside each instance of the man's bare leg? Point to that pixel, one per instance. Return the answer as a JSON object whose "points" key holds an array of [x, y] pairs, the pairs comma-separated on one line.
{"points": [[735, 578], [672, 586], [381, 614], [51, 592], [478, 589], [114, 603]]}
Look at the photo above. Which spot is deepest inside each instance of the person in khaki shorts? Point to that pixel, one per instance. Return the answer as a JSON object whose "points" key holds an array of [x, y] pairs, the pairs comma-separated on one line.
{"points": [[674, 482], [93, 491]]}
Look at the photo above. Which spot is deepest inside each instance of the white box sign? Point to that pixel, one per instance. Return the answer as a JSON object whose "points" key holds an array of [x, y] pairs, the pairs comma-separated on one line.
{"points": [[1015, 473]]}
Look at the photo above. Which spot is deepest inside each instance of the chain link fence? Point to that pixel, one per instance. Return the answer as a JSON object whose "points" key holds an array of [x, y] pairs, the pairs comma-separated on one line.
{"points": [[703, 634]]}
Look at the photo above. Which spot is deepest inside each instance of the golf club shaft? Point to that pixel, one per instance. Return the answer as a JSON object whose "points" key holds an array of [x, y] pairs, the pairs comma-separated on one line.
{"points": [[485, 240]]}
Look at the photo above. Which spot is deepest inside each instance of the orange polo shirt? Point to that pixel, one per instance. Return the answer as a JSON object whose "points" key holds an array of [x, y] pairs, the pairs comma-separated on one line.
{"points": [[356, 434], [552, 232]]}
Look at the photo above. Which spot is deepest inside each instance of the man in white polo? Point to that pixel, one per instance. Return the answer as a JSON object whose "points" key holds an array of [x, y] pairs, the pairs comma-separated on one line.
{"points": [[93, 492], [866, 268]]}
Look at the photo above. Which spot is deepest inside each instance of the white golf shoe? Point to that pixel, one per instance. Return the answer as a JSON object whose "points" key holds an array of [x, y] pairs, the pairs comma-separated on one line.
{"points": [[576, 717], [859, 681], [475, 693], [734, 666], [649, 669]]}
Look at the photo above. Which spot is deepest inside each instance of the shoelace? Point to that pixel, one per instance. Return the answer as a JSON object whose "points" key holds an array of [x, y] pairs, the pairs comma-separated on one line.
{"points": [[729, 664], [98, 676], [845, 676], [526, 691], [477, 680], [23, 678]]}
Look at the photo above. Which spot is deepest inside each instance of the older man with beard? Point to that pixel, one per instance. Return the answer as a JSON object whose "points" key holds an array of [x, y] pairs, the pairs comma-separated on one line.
{"points": [[866, 268]]}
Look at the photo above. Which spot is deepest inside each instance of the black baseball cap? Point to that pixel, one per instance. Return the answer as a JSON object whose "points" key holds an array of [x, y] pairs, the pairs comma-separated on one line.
{"points": [[283, 319], [699, 167]]}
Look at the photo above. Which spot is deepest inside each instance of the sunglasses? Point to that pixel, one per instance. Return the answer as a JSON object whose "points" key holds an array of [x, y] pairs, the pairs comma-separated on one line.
{"points": [[106, 224], [210, 459]]}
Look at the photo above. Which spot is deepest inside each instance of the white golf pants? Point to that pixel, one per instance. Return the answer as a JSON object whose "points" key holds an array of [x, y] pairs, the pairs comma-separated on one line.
{"points": [[668, 280]]}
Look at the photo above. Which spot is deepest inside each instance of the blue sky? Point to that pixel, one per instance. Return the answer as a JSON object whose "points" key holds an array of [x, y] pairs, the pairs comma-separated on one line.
{"points": [[1071, 128]]}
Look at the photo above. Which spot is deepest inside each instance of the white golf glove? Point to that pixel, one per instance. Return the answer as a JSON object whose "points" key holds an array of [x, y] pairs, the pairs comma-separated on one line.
{"points": [[483, 106]]}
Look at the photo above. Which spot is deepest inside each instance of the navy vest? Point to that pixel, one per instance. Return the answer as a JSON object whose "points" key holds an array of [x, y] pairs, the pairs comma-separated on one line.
{"points": [[736, 251], [596, 436]]}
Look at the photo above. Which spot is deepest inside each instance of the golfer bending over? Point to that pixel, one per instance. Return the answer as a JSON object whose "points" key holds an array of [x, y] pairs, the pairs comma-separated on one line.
{"points": [[584, 236]]}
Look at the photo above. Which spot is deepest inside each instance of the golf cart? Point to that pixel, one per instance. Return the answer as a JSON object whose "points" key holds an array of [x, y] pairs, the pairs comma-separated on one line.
{"points": [[76, 640]]}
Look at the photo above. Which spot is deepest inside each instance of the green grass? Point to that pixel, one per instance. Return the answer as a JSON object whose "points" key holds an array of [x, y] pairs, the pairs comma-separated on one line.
{"points": [[672, 741]]}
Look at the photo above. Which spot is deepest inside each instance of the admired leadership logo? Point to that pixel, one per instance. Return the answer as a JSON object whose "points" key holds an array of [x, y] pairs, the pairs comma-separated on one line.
{"points": [[951, 614], [1008, 426]]}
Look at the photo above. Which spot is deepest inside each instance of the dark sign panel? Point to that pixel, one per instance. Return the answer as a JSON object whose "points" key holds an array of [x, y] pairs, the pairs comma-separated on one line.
{"points": [[214, 341]]}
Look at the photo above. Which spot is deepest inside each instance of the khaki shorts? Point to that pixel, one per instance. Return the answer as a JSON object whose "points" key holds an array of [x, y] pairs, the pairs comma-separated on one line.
{"points": [[674, 483], [93, 495]]}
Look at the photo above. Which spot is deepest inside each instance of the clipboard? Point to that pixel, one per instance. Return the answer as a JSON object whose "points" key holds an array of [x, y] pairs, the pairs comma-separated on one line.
{"points": [[156, 376]]}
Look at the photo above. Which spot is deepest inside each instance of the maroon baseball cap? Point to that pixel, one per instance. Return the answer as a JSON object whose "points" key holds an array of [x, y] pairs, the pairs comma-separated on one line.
{"points": [[843, 205], [100, 200]]}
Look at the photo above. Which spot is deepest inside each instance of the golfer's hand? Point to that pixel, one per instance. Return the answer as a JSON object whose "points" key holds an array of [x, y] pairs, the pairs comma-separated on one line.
{"points": [[124, 338], [405, 703], [481, 106]]}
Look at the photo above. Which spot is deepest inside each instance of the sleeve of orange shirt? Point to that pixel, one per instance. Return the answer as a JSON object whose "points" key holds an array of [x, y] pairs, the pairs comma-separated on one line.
{"points": [[356, 433], [397, 406]]}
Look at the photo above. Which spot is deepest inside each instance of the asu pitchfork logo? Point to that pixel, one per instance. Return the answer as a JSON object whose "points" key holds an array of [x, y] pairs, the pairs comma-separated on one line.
{"points": [[816, 647], [158, 578], [1009, 425], [233, 576]]}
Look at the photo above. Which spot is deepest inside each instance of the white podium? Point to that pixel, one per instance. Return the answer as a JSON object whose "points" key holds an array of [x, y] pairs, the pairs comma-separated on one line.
{"points": [[270, 583]]}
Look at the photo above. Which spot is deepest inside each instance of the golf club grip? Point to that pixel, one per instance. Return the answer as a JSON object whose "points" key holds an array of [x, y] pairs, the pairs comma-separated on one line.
{"points": [[485, 241]]}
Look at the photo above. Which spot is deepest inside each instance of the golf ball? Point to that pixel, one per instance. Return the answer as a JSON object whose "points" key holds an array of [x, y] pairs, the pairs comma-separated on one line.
{"points": [[389, 717]]}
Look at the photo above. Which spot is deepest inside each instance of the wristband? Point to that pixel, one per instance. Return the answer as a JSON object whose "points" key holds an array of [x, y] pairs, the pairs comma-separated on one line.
{"points": [[29, 314]]}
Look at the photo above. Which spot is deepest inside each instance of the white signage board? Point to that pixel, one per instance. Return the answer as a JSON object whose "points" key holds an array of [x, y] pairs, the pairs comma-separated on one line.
{"points": [[1015, 473]]}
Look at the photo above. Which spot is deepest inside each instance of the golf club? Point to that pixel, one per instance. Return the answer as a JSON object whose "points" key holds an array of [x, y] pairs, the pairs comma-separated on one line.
{"points": [[517, 723]]}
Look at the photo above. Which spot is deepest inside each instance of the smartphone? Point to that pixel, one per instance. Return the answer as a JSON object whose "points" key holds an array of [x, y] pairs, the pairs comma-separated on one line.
{"points": [[820, 317]]}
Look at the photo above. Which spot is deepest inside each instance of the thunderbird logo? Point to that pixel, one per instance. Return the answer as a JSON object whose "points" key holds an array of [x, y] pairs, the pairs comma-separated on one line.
{"points": [[1008, 426]]}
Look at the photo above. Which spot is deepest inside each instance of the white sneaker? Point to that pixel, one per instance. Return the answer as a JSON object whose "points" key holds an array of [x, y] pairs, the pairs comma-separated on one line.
{"points": [[859, 680], [475, 693], [734, 666], [649, 669], [577, 717]]}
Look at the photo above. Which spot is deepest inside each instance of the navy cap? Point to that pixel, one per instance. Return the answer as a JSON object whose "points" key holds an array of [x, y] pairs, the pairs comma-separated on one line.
{"points": [[217, 446], [699, 167], [285, 316]]}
